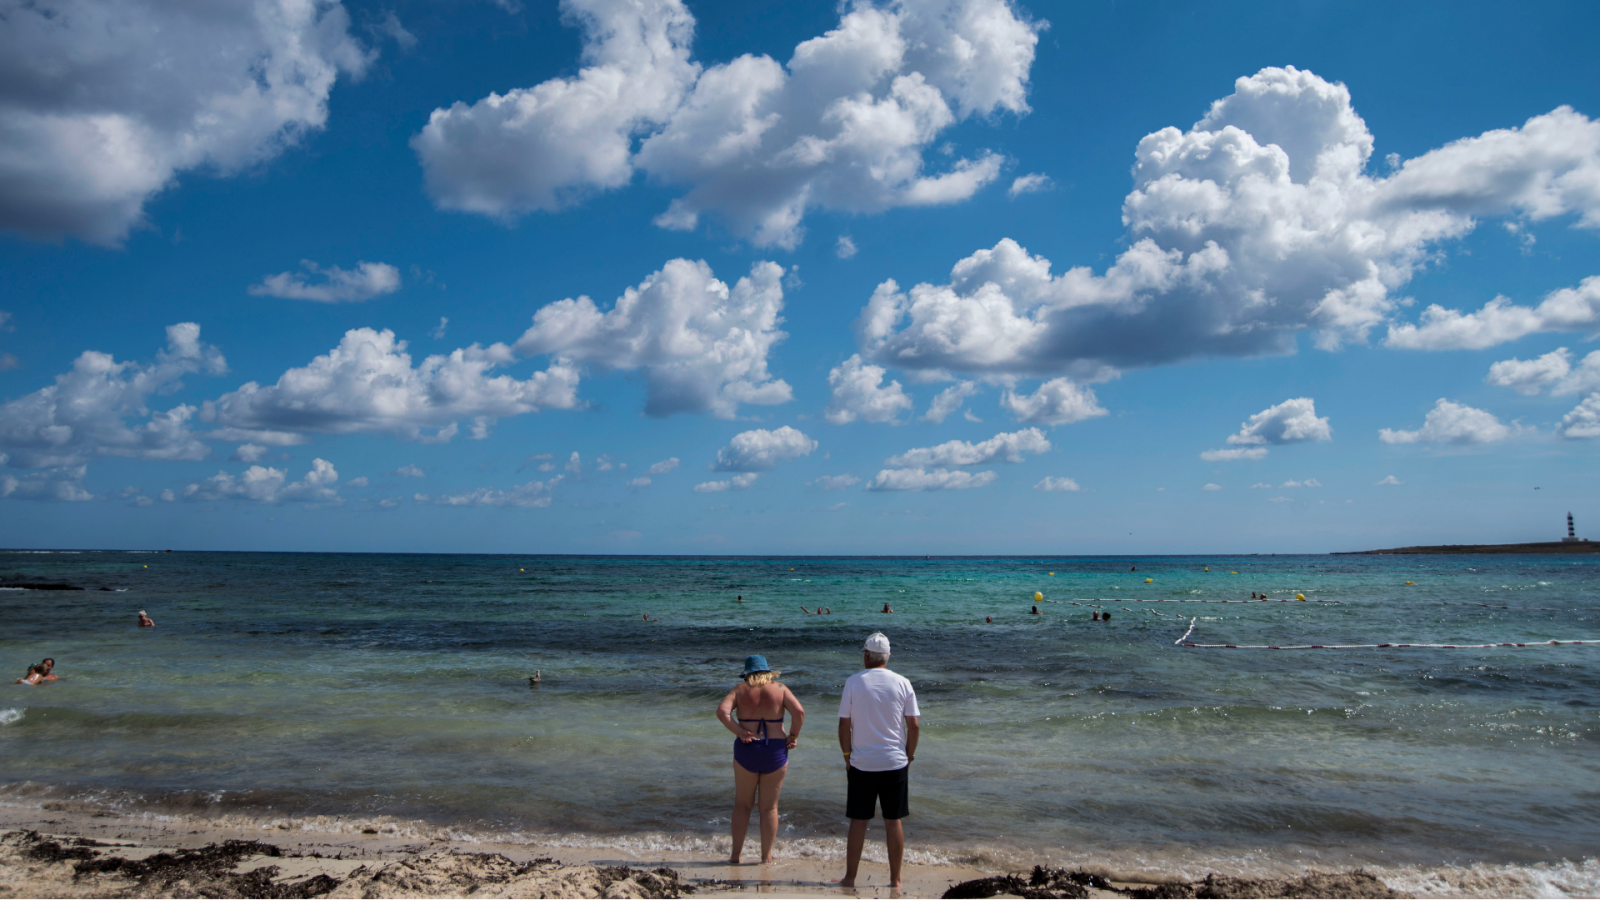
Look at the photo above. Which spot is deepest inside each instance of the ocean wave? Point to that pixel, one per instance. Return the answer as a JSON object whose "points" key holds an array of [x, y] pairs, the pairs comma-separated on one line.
{"points": [[11, 716]]}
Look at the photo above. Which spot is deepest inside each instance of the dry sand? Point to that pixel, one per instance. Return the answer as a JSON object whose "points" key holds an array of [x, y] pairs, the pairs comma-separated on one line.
{"points": [[80, 852]]}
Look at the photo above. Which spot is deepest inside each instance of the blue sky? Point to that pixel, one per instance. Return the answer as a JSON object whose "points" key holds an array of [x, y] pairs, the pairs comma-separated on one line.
{"points": [[1248, 211]]}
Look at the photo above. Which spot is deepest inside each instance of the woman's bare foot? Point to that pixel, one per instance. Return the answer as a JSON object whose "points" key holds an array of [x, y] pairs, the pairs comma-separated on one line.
{"points": [[767, 861], [734, 860]]}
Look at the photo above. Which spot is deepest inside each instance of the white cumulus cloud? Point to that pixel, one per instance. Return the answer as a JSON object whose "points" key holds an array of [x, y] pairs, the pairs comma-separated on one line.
{"points": [[760, 450], [1257, 223], [917, 479], [835, 482], [368, 384], [107, 101], [1003, 447], [1389, 480], [949, 400], [533, 495], [1031, 184], [1212, 487], [702, 346], [264, 484], [753, 143], [858, 392], [1059, 401], [1501, 321], [1583, 421], [663, 467], [844, 248], [736, 483], [1291, 422], [1451, 423], [365, 281], [1053, 483], [101, 408]]}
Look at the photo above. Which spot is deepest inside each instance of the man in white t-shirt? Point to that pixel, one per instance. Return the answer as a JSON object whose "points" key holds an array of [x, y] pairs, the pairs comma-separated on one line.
{"points": [[878, 733]]}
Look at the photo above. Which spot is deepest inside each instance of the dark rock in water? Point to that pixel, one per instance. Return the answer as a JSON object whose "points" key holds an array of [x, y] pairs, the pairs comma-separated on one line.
{"points": [[102, 588], [41, 586]]}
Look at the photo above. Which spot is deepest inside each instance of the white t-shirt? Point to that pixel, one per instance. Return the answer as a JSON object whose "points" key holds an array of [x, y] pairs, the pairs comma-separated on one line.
{"points": [[877, 701]]}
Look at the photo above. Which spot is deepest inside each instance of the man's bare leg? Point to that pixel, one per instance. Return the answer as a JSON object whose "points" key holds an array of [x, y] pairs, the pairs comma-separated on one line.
{"points": [[895, 835], [857, 840], [744, 800], [771, 786]]}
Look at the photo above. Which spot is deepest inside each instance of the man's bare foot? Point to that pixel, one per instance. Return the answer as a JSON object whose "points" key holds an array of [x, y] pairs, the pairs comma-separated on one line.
{"points": [[847, 882], [767, 861], [733, 861]]}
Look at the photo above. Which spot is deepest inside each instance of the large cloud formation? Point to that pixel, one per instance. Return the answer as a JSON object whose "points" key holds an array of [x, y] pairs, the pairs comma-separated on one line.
{"points": [[104, 102], [756, 143], [367, 384], [703, 347], [1258, 223], [87, 411]]}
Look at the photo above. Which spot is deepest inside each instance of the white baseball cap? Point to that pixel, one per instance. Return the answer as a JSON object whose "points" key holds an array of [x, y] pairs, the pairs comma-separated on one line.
{"points": [[877, 642]]}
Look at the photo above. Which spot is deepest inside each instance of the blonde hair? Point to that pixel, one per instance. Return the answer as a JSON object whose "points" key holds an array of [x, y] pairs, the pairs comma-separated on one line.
{"points": [[759, 678]]}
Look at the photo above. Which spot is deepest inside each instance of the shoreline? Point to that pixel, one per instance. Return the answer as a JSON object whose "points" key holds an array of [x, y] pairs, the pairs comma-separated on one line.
{"points": [[75, 849]]}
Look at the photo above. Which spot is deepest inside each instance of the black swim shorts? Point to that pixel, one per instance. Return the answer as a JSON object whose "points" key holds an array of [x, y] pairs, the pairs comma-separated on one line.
{"points": [[893, 788]]}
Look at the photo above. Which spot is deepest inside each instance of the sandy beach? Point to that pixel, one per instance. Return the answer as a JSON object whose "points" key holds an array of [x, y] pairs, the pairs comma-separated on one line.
{"points": [[64, 852]]}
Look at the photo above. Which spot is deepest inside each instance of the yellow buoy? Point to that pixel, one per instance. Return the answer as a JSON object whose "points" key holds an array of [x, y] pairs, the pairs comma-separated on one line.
{"points": [[522, 570], [149, 567], [1299, 596], [1148, 580], [1052, 574], [1409, 582], [1038, 597], [1208, 568], [1233, 573]]}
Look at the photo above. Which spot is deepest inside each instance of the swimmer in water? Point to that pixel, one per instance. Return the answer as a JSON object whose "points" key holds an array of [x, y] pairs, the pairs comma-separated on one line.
{"points": [[887, 609], [989, 619], [1253, 595], [741, 598], [1035, 612], [1105, 617], [535, 678], [1096, 618], [145, 621], [47, 670], [32, 677]]}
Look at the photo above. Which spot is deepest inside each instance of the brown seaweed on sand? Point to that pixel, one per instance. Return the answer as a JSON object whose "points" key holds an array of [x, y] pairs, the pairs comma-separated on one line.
{"points": [[35, 865], [1046, 882]]}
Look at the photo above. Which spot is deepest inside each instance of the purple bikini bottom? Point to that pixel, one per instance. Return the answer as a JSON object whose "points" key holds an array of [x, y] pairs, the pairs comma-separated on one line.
{"points": [[762, 755]]}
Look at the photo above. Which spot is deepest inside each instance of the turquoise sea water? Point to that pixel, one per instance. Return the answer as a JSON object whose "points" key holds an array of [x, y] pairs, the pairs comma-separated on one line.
{"points": [[394, 688]]}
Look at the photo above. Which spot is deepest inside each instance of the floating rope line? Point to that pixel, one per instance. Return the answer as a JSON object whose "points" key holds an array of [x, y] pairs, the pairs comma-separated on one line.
{"points": [[1492, 606], [1173, 600], [1185, 642], [1187, 633]]}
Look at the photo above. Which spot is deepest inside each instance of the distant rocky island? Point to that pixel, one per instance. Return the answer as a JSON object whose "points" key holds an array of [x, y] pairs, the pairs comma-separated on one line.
{"points": [[1583, 546]]}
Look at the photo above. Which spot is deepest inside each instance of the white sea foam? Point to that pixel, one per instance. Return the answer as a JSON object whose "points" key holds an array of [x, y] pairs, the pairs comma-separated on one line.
{"points": [[11, 716], [1563, 879]]}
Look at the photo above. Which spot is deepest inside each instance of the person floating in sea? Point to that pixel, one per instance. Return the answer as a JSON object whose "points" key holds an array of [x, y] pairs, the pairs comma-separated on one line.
{"points": [[535, 678], [1095, 618], [145, 621], [47, 670], [32, 677], [761, 753], [878, 730], [1105, 617], [1035, 611], [820, 611], [989, 619], [741, 598], [887, 609]]}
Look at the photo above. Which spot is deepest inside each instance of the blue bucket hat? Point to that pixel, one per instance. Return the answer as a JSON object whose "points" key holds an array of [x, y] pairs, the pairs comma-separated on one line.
{"points": [[754, 664]]}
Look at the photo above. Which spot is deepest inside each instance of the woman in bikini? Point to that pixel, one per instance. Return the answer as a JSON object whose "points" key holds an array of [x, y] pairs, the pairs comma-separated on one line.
{"points": [[761, 753]]}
